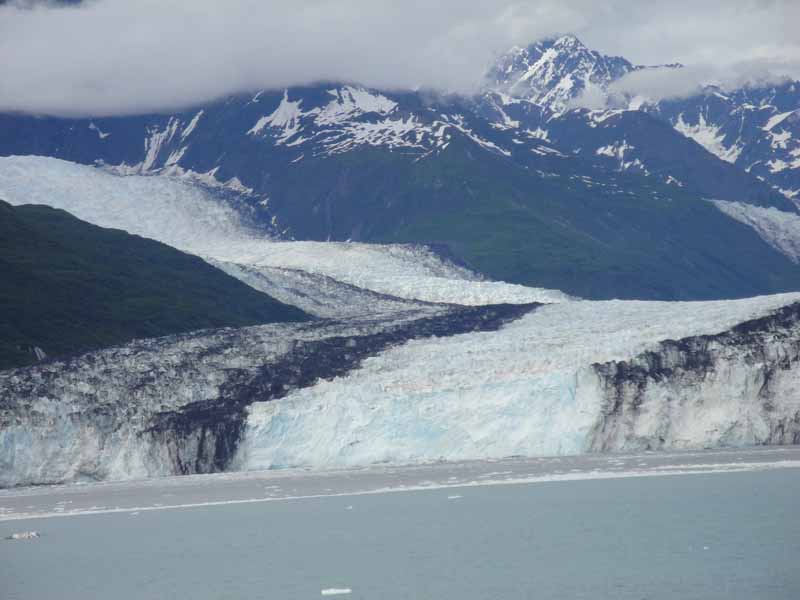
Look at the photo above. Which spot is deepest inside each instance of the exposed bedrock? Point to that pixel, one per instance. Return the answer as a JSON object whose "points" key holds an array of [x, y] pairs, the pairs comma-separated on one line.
{"points": [[740, 387], [177, 405]]}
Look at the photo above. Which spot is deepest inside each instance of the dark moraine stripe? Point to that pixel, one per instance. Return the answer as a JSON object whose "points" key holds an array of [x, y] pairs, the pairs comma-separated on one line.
{"points": [[202, 437]]}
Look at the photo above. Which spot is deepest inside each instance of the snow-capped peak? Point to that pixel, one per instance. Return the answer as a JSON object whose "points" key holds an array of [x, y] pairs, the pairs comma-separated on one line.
{"points": [[554, 71], [568, 41]]}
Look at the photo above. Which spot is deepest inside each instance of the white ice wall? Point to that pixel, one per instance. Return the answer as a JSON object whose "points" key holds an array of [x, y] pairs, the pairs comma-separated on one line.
{"points": [[525, 390]]}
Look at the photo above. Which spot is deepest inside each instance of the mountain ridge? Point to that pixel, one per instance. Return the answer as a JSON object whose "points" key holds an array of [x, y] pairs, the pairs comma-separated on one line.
{"points": [[343, 162]]}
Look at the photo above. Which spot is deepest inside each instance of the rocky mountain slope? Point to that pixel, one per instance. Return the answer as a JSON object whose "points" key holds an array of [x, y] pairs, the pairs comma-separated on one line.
{"points": [[67, 286], [553, 73], [754, 127]]}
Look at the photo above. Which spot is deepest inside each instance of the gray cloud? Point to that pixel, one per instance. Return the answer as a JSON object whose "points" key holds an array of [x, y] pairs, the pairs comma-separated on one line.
{"points": [[123, 56], [659, 83]]}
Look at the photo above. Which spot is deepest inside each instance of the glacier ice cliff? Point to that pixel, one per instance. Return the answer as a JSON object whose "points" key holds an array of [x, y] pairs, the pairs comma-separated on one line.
{"points": [[739, 387], [177, 405], [431, 383], [565, 379]]}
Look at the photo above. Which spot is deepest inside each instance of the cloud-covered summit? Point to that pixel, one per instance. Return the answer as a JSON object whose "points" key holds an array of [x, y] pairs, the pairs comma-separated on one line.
{"points": [[106, 57]]}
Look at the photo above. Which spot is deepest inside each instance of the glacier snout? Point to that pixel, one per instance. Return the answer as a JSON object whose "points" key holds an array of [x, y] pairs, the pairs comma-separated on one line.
{"points": [[566, 379], [737, 388]]}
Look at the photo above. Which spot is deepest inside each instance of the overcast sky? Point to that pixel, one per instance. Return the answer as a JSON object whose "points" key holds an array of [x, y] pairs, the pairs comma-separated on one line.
{"points": [[125, 56]]}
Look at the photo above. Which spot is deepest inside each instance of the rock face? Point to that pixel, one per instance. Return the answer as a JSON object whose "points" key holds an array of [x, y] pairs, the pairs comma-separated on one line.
{"points": [[740, 387], [177, 405]]}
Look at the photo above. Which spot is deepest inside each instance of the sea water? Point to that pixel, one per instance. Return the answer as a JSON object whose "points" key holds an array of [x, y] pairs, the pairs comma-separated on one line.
{"points": [[701, 536]]}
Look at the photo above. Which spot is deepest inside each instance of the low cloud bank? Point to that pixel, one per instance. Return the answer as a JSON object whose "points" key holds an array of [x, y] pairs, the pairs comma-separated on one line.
{"points": [[676, 81], [104, 57]]}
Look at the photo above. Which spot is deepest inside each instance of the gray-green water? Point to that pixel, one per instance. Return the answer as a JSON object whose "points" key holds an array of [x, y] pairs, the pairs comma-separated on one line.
{"points": [[711, 536]]}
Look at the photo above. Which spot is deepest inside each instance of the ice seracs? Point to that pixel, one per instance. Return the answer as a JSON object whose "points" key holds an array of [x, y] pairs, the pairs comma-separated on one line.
{"points": [[398, 381], [564, 379], [530, 389], [175, 405]]}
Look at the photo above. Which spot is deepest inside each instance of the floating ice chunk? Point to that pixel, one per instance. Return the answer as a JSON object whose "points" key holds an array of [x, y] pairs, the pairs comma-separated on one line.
{"points": [[24, 535]]}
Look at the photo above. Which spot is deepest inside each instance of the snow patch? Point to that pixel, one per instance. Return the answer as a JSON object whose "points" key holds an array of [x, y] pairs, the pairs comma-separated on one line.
{"points": [[350, 102], [776, 120], [285, 118], [538, 133], [191, 126], [156, 140], [618, 151], [710, 137], [390, 133], [101, 134]]}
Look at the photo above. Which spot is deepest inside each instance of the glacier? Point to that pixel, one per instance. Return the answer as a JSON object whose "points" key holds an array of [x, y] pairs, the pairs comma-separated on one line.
{"points": [[539, 386], [412, 359], [779, 229], [176, 405], [193, 219], [439, 383]]}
